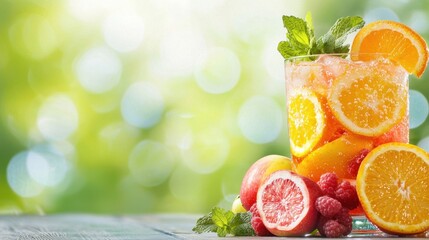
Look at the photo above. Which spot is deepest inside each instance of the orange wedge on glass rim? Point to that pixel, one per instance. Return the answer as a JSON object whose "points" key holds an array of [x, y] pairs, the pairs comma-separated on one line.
{"points": [[392, 185], [392, 40]]}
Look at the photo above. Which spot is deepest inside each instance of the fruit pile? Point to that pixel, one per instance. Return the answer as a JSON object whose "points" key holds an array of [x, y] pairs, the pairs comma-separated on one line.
{"points": [[349, 142], [287, 204], [284, 203]]}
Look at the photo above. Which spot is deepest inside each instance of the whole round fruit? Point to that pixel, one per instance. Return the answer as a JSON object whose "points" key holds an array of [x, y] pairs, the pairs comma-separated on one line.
{"points": [[286, 204], [237, 207], [257, 173]]}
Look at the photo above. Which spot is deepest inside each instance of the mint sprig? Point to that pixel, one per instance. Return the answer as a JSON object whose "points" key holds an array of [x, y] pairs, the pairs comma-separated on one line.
{"points": [[301, 39], [224, 222], [299, 36]]}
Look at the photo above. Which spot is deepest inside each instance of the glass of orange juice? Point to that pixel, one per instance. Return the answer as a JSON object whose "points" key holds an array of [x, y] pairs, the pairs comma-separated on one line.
{"points": [[339, 109]]}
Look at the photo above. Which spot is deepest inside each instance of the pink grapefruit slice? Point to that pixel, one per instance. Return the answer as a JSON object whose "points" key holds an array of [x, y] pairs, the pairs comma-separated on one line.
{"points": [[285, 202]]}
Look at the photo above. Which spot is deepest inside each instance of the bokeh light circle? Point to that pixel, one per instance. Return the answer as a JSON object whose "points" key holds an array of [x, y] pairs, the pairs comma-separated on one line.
{"points": [[380, 13], [186, 185], [274, 65], [142, 105], [19, 178], [92, 11], [150, 163], [98, 70], [260, 119], [218, 71], [205, 151], [419, 108], [424, 143], [180, 50], [57, 118], [46, 165], [33, 36], [123, 31], [419, 21]]}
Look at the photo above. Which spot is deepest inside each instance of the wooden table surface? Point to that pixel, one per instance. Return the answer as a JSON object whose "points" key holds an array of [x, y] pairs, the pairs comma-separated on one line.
{"points": [[106, 227]]}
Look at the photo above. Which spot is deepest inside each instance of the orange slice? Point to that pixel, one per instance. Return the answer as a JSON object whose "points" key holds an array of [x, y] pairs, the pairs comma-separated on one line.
{"points": [[393, 40], [392, 185], [306, 120], [335, 156], [370, 98]]}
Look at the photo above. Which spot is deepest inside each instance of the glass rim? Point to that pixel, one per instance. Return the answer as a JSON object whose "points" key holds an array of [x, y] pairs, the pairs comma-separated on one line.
{"points": [[345, 55]]}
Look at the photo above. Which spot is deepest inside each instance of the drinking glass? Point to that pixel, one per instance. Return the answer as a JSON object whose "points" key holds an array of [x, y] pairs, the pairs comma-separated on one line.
{"points": [[340, 107]]}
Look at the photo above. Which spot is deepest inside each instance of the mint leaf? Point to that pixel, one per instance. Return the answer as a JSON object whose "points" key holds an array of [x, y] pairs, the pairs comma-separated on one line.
{"points": [[224, 222], [205, 224], [325, 44], [221, 217], [343, 27], [298, 33], [299, 37], [222, 232], [241, 226], [302, 41], [333, 40], [287, 50], [309, 21]]}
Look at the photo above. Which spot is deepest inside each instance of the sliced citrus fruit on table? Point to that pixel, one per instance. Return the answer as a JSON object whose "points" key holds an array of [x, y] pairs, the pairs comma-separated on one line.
{"points": [[370, 99], [257, 173], [335, 156], [286, 204], [393, 40], [392, 185], [306, 120]]}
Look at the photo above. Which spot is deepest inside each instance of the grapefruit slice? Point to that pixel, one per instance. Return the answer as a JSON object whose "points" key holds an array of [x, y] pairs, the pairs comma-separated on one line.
{"points": [[286, 204], [257, 173]]}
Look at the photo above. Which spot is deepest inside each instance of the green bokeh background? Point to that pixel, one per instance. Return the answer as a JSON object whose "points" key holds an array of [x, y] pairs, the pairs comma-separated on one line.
{"points": [[215, 115]]}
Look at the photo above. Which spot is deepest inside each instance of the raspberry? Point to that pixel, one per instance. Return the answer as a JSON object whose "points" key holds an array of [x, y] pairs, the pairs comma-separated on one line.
{"points": [[328, 183], [356, 161], [259, 227], [332, 229], [320, 223], [346, 194], [257, 224], [345, 219], [328, 206], [254, 211]]}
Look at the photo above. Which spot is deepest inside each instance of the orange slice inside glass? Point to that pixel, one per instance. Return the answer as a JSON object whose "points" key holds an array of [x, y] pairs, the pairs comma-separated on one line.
{"points": [[392, 185], [306, 120], [393, 40], [370, 98], [334, 157]]}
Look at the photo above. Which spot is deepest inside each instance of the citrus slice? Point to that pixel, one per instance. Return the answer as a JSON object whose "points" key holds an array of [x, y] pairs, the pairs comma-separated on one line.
{"points": [[306, 120], [392, 185], [370, 98], [257, 173], [393, 40], [286, 204], [335, 156]]}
